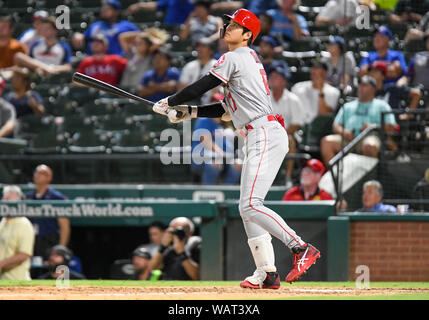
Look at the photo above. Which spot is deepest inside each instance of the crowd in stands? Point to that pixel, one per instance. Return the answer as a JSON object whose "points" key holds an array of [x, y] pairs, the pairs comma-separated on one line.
{"points": [[329, 79]]}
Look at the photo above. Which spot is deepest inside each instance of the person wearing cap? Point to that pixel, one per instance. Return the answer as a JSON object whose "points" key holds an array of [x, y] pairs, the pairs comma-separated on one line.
{"points": [[339, 12], [286, 23], [200, 24], [25, 100], [395, 60], [30, 36], [268, 46], [418, 68], [341, 64], [162, 80], [355, 116], [391, 93], [7, 114], [60, 256], [308, 188], [409, 11], [49, 55], [289, 106], [8, 45], [110, 26], [102, 66], [175, 11], [141, 260], [317, 96], [16, 241], [196, 69]]}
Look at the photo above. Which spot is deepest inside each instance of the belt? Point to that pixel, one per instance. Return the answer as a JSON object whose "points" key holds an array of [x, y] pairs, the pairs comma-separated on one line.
{"points": [[270, 117]]}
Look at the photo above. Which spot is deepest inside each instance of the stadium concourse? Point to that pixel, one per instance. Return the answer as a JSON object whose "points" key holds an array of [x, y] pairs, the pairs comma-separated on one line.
{"points": [[106, 152]]}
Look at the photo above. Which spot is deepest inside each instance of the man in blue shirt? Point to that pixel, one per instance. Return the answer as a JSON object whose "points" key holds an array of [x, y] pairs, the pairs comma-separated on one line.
{"points": [[162, 80], [287, 23], [395, 60], [372, 198], [110, 26], [49, 231], [176, 11]]}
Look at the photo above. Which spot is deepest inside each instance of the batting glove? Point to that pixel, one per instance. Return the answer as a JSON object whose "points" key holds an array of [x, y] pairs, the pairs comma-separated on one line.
{"points": [[178, 114], [161, 107]]}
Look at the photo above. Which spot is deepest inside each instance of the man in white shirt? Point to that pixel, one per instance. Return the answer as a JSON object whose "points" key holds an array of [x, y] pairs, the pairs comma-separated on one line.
{"points": [[318, 98], [30, 36], [199, 67], [340, 12], [289, 106]]}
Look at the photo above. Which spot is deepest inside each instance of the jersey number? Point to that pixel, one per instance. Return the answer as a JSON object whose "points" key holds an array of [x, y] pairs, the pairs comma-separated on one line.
{"points": [[231, 102], [265, 79]]}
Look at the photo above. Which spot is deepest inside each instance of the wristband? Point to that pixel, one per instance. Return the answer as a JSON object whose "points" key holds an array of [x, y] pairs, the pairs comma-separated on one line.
{"points": [[193, 111], [183, 256]]}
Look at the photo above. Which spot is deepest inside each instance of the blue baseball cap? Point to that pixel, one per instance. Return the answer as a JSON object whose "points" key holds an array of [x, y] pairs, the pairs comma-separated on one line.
{"points": [[284, 72], [385, 31], [270, 40], [114, 3], [339, 41]]}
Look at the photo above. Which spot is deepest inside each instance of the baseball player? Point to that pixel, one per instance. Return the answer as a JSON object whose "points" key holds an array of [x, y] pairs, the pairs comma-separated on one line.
{"points": [[247, 102]]}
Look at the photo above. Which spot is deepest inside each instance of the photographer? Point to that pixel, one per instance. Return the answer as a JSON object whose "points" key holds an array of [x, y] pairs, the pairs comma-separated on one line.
{"points": [[179, 253]]}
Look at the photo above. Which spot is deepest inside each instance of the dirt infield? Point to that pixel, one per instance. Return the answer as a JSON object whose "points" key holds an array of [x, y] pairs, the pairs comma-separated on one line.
{"points": [[187, 293]]}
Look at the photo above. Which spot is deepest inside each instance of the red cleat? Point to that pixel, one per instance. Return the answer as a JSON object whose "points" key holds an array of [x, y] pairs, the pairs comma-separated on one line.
{"points": [[272, 281], [303, 259]]}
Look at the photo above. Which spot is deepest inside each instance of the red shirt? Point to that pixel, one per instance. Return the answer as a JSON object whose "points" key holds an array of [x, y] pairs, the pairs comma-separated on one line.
{"points": [[295, 194], [108, 69]]}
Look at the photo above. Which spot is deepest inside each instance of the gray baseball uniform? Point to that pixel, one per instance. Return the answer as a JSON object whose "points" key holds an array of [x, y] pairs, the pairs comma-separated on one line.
{"points": [[247, 97]]}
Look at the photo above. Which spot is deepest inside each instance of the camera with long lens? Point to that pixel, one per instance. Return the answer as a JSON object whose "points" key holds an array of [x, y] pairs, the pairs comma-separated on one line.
{"points": [[180, 233]]}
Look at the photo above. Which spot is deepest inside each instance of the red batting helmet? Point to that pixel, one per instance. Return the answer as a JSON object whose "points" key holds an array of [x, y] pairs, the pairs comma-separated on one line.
{"points": [[248, 20]]}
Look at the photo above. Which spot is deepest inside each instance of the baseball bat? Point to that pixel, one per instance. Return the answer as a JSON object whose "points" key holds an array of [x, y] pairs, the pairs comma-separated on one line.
{"points": [[91, 82]]}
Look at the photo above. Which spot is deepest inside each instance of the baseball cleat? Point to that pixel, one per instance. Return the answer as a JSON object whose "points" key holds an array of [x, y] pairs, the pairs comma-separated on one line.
{"points": [[272, 281], [303, 259]]}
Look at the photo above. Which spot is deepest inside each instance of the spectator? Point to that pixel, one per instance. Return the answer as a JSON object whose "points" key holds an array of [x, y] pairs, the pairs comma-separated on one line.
{"points": [[308, 188], [289, 106], [255, 6], [419, 31], [339, 12], [287, 23], [409, 11], [110, 26], [200, 24], [267, 51], [341, 64], [156, 232], [175, 11], [7, 114], [418, 68], [354, 117], [16, 241], [179, 254], [49, 231], [372, 198], [60, 256], [196, 69], [25, 100], [141, 260], [266, 28], [391, 93], [318, 97], [30, 36], [49, 55], [162, 80], [395, 60], [138, 48], [210, 145], [8, 46], [102, 66]]}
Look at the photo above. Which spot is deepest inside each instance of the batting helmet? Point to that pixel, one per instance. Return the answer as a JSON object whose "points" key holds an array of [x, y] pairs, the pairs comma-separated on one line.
{"points": [[65, 252], [246, 19]]}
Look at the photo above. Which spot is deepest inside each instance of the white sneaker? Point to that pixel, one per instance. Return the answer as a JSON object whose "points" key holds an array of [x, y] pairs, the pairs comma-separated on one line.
{"points": [[257, 279]]}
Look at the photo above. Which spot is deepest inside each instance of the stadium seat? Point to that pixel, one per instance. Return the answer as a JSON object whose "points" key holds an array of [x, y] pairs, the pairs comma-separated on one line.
{"points": [[46, 143], [88, 142], [75, 123], [132, 141], [97, 108], [134, 109], [115, 124], [31, 125], [399, 30]]}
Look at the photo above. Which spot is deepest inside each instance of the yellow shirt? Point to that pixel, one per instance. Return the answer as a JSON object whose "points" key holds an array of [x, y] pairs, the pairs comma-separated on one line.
{"points": [[16, 236]]}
